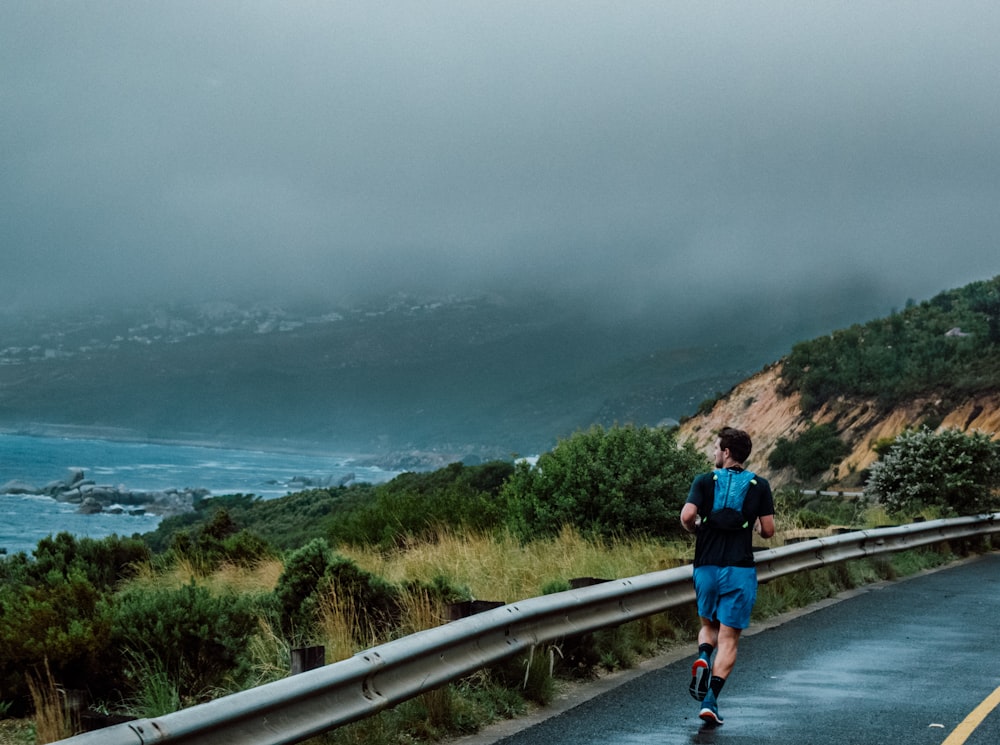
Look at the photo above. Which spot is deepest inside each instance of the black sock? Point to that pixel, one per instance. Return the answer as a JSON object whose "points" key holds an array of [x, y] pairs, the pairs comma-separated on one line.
{"points": [[707, 649], [716, 685]]}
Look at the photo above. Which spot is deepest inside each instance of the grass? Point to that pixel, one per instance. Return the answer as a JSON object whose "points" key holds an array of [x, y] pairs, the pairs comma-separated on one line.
{"points": [[499, 567], [52, 721]]}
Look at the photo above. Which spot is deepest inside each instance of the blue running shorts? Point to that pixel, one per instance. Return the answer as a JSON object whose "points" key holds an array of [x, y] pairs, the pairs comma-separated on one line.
{"points": [[726, 594]]}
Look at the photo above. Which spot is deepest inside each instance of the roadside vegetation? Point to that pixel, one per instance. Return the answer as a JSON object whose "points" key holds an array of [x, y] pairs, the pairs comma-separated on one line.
{"points": [[949, 345], [215, 601]]}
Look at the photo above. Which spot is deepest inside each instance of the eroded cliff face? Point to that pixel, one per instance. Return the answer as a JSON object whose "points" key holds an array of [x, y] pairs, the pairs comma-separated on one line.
{"points": [[756, 406]]}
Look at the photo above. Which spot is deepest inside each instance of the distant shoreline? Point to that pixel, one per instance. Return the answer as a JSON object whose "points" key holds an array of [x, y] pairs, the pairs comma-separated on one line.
{"points": [[390, 461], [124, 435]]}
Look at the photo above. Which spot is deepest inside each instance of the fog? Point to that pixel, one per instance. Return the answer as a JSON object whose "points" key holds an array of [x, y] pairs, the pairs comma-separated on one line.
{"points": [[646, 157]]}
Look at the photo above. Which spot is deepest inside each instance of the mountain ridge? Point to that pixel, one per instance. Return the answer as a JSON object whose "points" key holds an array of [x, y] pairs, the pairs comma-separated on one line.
{"points": [[408, 381]]}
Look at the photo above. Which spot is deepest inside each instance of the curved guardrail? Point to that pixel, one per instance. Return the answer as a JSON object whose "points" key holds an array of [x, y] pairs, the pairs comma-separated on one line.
{"points": [[307, 704]]}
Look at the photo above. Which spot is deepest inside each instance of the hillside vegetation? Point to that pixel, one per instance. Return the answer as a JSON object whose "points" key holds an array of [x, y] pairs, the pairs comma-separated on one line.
{"points": [[948, 345], [933, 364]]}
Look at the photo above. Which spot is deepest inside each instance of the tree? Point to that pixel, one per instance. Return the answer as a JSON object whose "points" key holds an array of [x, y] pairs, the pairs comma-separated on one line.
{"points": [[951, 471], [620, 481]]}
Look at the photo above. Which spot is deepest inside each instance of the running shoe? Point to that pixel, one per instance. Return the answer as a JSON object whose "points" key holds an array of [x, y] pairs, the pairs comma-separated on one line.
{"points": [[709, 714], [701, 676]]}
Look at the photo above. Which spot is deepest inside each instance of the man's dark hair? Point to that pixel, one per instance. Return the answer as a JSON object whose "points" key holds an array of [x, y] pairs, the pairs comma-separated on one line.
{"points": [[737, 442]]}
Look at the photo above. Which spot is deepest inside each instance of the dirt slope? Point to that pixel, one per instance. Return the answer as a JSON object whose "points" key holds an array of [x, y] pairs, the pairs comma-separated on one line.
{"points": [[756, 406]]}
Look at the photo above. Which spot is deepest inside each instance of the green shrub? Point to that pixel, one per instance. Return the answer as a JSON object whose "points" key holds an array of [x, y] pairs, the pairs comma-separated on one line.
{"points": [[296, 590], [620, 481], [812, 453], [196, 638], [417, 505], [950, 472], [59, 622], [810, 519], [314, 571], [53, 612], [103, 562]]}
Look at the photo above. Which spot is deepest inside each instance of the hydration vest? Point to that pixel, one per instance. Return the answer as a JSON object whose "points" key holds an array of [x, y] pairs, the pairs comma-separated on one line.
{"points": [[727, 506]]}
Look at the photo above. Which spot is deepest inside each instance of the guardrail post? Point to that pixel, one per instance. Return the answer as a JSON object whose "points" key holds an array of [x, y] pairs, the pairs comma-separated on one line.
{"points": [[307, 658], [468, 608]]}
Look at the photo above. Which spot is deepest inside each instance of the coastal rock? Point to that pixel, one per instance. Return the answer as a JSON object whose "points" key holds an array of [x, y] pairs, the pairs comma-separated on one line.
{"points": [[95, 498], [90, 506], [73, 496], [18, 487]]}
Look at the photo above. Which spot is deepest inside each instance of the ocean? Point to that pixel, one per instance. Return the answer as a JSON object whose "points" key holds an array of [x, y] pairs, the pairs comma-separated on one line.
{"points": [[26, 519]]}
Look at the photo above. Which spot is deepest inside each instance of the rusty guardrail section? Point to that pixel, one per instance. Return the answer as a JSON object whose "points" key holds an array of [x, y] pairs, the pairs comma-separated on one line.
{"points": [[307, 704]]}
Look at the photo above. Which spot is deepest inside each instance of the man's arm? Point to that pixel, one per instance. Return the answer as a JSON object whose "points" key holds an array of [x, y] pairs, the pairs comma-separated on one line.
{"points": [[765, 526], [689, 517]]}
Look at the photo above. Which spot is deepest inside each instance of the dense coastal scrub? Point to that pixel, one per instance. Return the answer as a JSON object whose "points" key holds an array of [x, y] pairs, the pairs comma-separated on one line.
{"points": [[948, 345], [216, 601]]}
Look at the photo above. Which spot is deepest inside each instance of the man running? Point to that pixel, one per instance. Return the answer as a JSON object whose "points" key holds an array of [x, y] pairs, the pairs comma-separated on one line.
{"points": [[723, 509]]}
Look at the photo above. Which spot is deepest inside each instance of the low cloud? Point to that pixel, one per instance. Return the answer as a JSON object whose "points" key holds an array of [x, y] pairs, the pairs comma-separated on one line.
{"points": [[649, 157]]}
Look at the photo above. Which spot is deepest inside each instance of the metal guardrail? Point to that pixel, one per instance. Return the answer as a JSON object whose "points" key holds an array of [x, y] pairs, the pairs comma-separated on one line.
{"points": [[307, 704]]}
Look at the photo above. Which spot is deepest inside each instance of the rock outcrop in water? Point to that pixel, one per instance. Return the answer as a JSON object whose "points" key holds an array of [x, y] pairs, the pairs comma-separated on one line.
{"points": [[93, 498]]}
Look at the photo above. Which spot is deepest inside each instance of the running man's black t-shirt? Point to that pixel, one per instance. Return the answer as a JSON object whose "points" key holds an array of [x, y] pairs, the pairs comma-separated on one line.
{"points": [[728, 548]]}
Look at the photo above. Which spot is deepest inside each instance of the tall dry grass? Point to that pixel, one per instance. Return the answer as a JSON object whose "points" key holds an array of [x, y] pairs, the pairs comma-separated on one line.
{"points": [[53, 720], [262, 577], [500, 567]]}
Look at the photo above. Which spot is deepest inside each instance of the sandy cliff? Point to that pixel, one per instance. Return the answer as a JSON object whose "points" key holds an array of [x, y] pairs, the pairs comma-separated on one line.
{"points": [[756, 406]]}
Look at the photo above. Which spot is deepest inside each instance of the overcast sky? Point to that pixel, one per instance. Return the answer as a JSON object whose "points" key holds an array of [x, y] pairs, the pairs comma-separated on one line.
{"points": [[647, 154]]}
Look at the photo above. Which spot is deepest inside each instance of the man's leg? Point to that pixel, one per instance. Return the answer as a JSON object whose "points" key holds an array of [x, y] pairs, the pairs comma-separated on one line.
{"points": [[727, 644], [701, 670], [725, 658], [709, 632]]}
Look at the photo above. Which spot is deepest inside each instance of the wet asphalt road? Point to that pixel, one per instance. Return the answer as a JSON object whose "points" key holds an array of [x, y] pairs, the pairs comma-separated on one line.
{"points": [[904, 663]]}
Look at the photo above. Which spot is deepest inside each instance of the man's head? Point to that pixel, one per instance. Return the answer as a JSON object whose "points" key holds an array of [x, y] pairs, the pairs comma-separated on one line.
{"points": [[737, 442]]}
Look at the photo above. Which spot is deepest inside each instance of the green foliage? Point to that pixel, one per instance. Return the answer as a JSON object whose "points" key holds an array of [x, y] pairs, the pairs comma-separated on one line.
{"points": [[314, 571], [298, 584], [813, 452], [155, 693], [51, 608], [906, 354], [60, 621], [816, 510], [219, 541], [619, 481], [104, 562], [244, 529], [458, 497], [282, 523], [197, 639], [950, 472]]}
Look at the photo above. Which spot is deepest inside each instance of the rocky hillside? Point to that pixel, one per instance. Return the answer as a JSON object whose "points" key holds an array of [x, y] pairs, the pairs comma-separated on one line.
{"points": [[757, 406], [936, 364]]}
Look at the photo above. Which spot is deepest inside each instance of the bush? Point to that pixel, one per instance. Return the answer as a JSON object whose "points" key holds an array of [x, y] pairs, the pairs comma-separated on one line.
{"points": [[951, 472], [314, 571], [197, 639], [620, 481], [59, 624], [458, 497], [53, 611], [813, 452]]}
